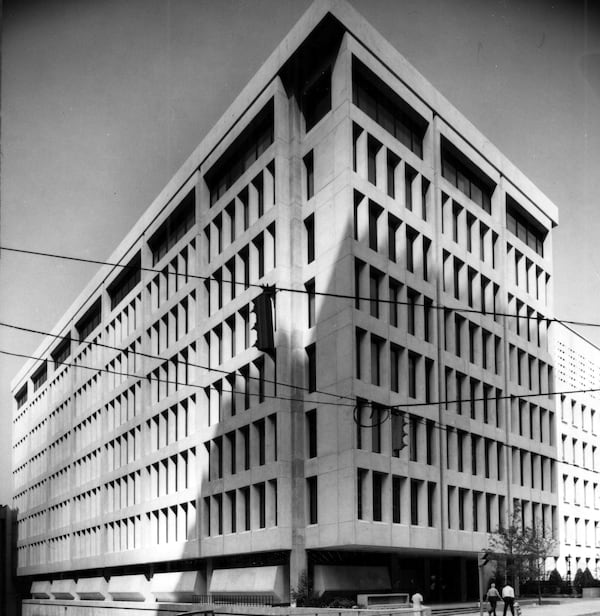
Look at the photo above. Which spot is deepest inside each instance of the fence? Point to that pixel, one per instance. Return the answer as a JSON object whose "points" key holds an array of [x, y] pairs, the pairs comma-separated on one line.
{"points": [[232, 599]]}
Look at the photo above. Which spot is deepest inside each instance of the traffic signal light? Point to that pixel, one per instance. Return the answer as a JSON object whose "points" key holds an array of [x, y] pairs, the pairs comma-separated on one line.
{"points": [[484, 557], [400, 430], [263, 324]]}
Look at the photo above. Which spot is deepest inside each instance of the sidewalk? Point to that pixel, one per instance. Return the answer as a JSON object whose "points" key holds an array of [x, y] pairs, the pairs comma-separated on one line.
{"points": [[568, 607]]}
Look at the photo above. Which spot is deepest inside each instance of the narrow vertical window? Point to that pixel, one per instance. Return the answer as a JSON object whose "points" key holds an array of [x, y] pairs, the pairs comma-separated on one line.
{"points": [[429, 380], [374, 281], [310, 295], [232, 511], [311, 367], [427, 318], [395, 355], [232, 453], [426, 247], [462, 498], [429, 442], [312, 489], [411, 238], [309, 225], [430, 503], [311, 432], [396, 500], [415, 486], [394, 305], [393, 226], [360, 335], [374, 212], [413, 360], [262, 508], [413, 439], [372, 150], [310, 175], [246, 495], [378, 496], [424, 190], [409, 177], [378, 417], [456, 210], [412, 297], [376, 348], [246, 443], [392, 163], [260, 436], [361, 475]]}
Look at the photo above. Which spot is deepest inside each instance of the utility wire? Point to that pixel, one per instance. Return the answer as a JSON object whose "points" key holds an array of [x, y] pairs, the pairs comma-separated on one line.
{"points": [[388, 410], [356, 298], [397, 407], [161, 358], [151, 377]]}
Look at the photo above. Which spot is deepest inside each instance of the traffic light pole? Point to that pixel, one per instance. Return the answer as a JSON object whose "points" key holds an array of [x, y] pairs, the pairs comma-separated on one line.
{"points": [[482, 560], [480, 571]]}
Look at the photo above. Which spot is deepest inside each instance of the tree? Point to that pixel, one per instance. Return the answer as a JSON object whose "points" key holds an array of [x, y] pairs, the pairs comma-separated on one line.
{"points": [[524, 550]]}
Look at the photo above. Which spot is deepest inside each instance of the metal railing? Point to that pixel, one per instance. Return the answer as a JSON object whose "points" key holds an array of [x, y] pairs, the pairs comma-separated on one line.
{"points": [[227, 599]]}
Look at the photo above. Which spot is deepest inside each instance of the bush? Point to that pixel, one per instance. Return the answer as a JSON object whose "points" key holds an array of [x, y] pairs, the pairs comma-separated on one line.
{"points": [[303, 595], [342, 602], [577, 581], [588, 580], [555, 578]]}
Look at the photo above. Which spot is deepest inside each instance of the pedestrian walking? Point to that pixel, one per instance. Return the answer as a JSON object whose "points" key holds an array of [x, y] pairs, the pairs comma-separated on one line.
{"points": [[492, 596], [508, 596], [417, 599]]}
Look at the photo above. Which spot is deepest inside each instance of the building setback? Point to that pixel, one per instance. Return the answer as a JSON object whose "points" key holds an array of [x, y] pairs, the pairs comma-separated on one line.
{"points": [[382, 437], [577, 377]]}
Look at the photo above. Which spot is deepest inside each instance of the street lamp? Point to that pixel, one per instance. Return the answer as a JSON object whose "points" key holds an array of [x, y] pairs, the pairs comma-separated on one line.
{"points": [[568, 560]]}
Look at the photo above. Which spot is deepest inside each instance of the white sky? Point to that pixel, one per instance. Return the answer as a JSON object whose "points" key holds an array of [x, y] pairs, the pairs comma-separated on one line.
{"points": [[102, 101]]}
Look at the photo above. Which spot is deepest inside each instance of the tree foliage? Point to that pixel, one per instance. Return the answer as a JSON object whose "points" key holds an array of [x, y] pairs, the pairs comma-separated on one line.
{"points": [[523, 550]]}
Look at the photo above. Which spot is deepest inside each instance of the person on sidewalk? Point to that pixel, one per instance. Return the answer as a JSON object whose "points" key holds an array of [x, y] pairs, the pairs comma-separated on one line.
{"points": [[417, 599], [492, 597], [508, 596]]}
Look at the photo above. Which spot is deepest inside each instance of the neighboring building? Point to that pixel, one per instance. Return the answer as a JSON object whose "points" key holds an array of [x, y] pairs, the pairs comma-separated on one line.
{"points": [[578, 370], [167, 442]]}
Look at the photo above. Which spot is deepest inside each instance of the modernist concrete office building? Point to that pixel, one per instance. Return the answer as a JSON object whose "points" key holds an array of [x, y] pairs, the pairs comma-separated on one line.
{"points": [[152, 436], [577, 375]]}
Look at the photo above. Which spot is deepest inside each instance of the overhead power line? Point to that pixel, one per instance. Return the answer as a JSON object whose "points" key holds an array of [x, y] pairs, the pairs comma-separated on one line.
{"points": [[151, 377], [399, 407], [388, 410], [162, 358]]}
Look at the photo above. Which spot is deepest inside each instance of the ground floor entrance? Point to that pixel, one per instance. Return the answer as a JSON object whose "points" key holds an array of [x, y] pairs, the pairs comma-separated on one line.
{"points": [[440, 578]]}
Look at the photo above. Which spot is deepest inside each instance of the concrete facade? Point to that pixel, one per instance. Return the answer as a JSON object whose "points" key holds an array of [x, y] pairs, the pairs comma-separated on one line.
{"points": [[577, 371], [153, 437]]}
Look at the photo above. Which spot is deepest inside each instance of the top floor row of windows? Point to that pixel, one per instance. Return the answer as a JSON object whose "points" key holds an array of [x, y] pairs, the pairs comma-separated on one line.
{"points": [[371, 95], [242, 153], [524, 227]]}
